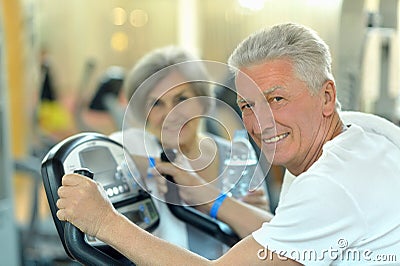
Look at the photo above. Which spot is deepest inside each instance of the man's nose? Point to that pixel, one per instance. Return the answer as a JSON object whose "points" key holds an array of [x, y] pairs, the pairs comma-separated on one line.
{"points": [[264, 118]]}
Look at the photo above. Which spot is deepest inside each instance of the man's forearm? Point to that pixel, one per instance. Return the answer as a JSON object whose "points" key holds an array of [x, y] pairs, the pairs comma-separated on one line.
{"points": [[143, 248]]}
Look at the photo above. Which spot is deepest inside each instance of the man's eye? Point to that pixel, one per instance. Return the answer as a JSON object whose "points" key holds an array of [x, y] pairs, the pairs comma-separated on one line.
{"points": [[245, 106], [276, 99]]}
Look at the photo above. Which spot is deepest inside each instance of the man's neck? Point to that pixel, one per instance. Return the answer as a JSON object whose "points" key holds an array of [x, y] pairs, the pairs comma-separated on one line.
{"points": [[332, 127]]}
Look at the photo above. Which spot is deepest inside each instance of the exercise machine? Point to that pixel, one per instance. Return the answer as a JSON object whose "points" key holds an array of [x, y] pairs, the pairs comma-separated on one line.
{"points": [[97, 156], [102, 159]]}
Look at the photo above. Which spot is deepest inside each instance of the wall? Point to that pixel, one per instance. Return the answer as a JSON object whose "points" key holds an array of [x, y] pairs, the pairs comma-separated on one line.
{"points": [[75, 31], [9, 252]]}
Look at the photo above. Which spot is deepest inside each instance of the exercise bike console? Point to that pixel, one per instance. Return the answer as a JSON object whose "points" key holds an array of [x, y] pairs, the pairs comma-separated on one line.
{"points": [[106, 159]]}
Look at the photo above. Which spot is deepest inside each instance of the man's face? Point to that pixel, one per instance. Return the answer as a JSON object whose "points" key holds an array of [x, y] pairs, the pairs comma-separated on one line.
{"points": [[279, 112]]}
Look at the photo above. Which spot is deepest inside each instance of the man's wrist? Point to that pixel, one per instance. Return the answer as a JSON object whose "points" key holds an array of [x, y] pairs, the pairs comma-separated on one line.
{"points": [[108, 225]]}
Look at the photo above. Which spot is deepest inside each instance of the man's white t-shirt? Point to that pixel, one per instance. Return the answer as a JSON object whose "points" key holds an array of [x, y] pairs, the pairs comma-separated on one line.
{"points": [[344, 209]]}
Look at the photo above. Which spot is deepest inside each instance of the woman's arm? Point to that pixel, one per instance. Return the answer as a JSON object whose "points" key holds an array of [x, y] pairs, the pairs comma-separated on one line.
{"points": [[257, 198], [242, 217]]}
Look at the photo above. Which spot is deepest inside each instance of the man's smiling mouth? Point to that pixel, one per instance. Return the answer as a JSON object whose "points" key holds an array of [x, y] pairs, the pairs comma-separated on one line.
{"points": [[275, 138]]}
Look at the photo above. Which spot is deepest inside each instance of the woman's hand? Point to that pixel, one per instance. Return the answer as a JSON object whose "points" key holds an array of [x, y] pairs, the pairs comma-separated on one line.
{"points": [[193, 189], [257, 198], [84, 203]]}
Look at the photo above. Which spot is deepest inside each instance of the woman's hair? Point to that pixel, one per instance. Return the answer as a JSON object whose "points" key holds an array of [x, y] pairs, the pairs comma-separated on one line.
{"points": [[155, 66], [308, 52]]}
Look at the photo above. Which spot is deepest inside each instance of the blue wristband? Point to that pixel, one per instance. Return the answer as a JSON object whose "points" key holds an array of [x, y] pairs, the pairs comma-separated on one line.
{"points": [[217, 203], [152, 163]]}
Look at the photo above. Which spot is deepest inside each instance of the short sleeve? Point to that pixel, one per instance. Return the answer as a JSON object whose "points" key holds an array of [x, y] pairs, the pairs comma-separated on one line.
{"points": [[315, 216]]}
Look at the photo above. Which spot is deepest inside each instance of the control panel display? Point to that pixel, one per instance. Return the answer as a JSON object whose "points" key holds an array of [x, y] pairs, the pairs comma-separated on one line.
{"points": [[110, 168], [100, 161]]}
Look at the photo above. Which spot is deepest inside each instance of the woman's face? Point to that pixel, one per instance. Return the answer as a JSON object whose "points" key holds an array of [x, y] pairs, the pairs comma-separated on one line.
{"points": [[173, 111]]}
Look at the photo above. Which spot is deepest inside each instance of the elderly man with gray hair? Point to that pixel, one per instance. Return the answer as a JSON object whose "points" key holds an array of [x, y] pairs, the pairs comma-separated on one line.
{"points": [[340, 206]]}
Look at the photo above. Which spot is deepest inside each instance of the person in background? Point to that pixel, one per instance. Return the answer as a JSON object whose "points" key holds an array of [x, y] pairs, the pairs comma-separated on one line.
{"points": [[340, 206], [170, 109]]}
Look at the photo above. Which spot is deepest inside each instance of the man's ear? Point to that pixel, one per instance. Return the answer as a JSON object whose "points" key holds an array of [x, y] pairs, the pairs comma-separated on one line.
{"points": [[329, 97]]}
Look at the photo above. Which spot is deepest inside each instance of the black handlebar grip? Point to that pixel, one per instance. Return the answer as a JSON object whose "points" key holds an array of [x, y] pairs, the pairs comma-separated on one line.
{"points": [[172, 195], [85, 172], [192, 216], [76, 244], [83, 252]]}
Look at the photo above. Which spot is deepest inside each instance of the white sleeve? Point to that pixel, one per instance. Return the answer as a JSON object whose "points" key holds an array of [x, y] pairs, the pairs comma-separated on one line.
{"points": [[316, 216]]}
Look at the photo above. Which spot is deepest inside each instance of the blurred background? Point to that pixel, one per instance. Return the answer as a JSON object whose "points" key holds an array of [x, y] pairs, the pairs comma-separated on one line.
{"points": [[55, 56]]}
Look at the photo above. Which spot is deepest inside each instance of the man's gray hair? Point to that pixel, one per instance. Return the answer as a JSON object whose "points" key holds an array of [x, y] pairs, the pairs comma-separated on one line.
{"points": [[308, 52]]}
